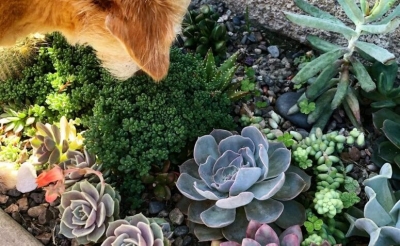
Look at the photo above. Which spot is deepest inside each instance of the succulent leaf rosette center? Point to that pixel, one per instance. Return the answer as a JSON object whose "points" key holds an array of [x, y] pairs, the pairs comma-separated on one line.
{"points": [[236, 178]]}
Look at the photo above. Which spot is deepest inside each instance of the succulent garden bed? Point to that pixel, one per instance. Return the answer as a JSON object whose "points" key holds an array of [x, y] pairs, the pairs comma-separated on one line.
{"points": [[255, 137]]}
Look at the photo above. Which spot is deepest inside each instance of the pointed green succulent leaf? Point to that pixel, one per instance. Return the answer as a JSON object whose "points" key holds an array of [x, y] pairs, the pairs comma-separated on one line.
{"points": [[383, 28], [322, 106], [324, 81], [380, 54], [320, 44], [380, 9], [395, 13], [363, 77], [380, 116], [352, 11], [392, 131], [352, 108], [318, 64], [316, 12], [341, 89], [209, 64], [313, 22]]}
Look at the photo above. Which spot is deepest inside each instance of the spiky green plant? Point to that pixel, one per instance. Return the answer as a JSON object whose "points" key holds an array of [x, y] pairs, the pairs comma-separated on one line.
{"points": [[14, 59]]}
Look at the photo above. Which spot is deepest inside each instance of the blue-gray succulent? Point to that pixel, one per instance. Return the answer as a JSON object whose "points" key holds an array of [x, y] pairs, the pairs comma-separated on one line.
{"points": [[380, 219], [233, 179]]}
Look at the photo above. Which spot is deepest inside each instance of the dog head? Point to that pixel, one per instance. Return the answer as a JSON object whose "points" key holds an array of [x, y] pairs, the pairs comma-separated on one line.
{"points": [[127, 34], [146, 30]]}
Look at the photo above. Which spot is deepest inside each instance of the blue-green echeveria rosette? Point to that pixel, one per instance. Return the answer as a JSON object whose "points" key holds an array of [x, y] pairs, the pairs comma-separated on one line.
{"points": [[233, 179], [135, 230], [87, 210]]}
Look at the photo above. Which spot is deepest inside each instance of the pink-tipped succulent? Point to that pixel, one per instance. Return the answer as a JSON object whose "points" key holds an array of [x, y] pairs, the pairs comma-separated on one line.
{"points": [[258, 234]]}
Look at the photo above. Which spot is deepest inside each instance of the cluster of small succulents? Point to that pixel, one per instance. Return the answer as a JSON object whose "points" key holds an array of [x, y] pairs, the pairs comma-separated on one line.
{"points": [[379, 220], [161, 181], [328, 76], [52, 143], [327, 202], [236, 178], [87, 211], [203, 33]]}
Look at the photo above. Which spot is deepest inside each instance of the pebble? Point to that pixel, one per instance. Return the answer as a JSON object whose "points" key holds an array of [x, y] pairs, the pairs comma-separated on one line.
{"points": [[236, 20], [23, 204], [155, 207], [11, 209], [257, 51], [187, 241], [176, 216], [36, 211], [44, 237], [284, 103], [273, 50], [3, 199], [38, 198], [13, 193], [181, 231]]}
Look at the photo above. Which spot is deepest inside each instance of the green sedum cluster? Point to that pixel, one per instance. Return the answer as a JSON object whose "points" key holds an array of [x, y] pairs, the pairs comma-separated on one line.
{"points": [[62, 78], [137, 123]]}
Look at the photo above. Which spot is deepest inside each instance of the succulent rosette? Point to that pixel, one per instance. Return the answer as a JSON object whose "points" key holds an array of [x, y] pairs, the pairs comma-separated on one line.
{"points": [[233, 179], [134, 230], [87, 210]]}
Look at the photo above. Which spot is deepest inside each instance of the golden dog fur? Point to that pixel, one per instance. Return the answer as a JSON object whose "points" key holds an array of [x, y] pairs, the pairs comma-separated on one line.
{"points": [[128, 35]]}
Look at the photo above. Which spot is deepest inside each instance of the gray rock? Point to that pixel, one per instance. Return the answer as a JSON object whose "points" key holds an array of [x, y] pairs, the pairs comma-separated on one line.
{"points": [[284, 103], [176, 216], [36, 211], [181, 231], [187, 241], [273, 50], [236, 20], [155, 207]]}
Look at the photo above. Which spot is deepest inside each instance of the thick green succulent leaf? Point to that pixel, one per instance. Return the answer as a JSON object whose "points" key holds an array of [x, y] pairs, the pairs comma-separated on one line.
{"points": [[341, 89], [233, 202], [395, 13], [316, 12], [220, 134], [205, 146], [216, 217], [324, 81], [266, 211], [234, 143], [383, 114], [245, 178], [266, 189], [320, 44], [313, 22], [237, 230], [389, 103], [279, 162], [379, 184], [381, 29], [54, 157], [185, 185], [196, 208], [293, 213], [204, 233], [318, 64], [395, 213], [322, 106], [352, 11], [392, 132], [190, 167], [363, 77], [352, 108], [302, 174], [385, 75], [97, 233], [388, 151], [380, 54], [292, 187], [379, 10], [374, 211]]}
